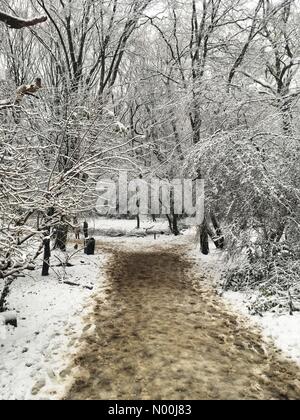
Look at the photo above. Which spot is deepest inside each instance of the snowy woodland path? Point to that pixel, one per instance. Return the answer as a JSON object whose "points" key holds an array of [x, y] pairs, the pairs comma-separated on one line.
{"points": [[162, 333]]}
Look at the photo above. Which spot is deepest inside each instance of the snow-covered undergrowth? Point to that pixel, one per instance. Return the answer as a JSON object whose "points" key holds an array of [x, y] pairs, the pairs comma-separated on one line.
{"points": [[34, 357], [274, 282], [282, 328]]}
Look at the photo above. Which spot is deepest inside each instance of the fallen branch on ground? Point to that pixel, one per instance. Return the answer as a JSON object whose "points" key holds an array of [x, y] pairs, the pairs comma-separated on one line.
{"points": [[70, 283]]}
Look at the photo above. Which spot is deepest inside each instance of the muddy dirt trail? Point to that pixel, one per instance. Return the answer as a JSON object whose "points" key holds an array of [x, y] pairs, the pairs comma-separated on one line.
{"points": [[161, 333]]}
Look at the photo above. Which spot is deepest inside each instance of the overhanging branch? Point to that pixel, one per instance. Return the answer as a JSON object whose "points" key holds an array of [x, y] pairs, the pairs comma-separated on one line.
{"points": [[18, 23]]}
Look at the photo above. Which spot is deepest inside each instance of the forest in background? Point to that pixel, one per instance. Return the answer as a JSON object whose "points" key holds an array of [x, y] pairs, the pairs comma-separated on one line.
{"points": [[193, 89]]}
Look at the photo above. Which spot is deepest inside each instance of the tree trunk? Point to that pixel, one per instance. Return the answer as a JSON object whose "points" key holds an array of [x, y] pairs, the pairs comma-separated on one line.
{"points": [[61, 237], [86, 229], [196, 125], [4, 294], [204, 238], [46, 259], [175, 225], [287, 117]]}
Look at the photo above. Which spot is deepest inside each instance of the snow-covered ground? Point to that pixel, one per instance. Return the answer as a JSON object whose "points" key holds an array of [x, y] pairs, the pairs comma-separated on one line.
{"points": [[282, 329], [34, 357], [102, 226]]}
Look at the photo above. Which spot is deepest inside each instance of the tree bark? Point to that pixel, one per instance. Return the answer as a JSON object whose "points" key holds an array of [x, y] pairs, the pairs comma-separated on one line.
{"points": [[5, 293], [86, 229], [138, 221], [175, 225], [18, 23], [61, 237], [204, 243], [46, 259]]}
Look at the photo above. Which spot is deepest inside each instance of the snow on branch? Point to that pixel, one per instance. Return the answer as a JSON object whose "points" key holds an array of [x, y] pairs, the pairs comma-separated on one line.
{"points": [[30, 89], [18, 23], [21, 91]]}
